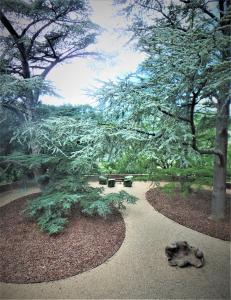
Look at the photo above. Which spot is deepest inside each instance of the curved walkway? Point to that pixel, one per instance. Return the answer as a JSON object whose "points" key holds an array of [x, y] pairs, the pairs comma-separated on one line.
{"points": [[139, 270]]}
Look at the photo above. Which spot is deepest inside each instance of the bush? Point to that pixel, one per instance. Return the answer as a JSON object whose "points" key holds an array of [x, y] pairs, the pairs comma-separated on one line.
{"points": [[193, 175], [169, 188], [52, 211]]}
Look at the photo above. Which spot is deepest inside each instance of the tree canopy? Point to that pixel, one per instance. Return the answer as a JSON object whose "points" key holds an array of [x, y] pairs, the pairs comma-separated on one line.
{"points": [[182, 87], [174, 109], [35, 37]]}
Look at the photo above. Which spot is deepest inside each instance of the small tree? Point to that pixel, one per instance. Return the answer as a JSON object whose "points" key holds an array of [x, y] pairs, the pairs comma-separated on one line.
{"points": [[68, 150]]}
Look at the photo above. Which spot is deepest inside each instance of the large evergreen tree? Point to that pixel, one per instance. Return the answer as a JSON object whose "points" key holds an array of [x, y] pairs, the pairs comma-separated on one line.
{"points": [[37, 35], [183, 83]]}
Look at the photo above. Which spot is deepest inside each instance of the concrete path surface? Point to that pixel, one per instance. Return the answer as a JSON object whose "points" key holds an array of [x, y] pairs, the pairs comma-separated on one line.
{"points": [[139, 270]]}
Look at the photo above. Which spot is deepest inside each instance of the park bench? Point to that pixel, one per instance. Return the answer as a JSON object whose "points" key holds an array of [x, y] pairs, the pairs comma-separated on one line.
{"points": [[127, 180], [111, 179], [117, 178]]}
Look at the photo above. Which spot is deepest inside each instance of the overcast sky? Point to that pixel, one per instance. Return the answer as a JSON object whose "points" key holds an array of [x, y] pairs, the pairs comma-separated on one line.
{"points": [[72, 79]]}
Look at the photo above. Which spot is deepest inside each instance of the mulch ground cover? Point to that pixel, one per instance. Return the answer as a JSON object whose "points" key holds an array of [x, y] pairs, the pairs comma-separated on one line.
{"points": [[192, 211], [29, 255]]}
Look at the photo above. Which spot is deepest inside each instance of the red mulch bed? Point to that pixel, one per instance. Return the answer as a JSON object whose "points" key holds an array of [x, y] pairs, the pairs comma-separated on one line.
{"points": [[29, 255], [192, 211]]}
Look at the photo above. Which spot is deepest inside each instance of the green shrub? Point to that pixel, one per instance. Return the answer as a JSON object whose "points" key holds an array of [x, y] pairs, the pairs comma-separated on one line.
{"points": [[194, 175], [53, 211], [185, 188], [50, 211], [169, 188], [98, 207]]}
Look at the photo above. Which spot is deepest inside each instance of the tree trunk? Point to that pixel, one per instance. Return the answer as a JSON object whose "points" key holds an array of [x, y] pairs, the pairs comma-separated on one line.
{"points": [[221, 140], [220, 164], [30, 117]]}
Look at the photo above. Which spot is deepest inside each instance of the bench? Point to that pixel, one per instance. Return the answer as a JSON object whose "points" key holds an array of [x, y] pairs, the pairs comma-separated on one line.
{"points": [[117, 178]]}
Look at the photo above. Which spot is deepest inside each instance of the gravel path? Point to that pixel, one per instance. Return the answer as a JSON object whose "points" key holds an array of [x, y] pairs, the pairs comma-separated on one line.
{"points": [[139, 270], [7, 197]]}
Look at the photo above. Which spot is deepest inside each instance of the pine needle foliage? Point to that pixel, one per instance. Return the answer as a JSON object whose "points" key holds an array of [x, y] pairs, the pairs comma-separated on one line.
{"points": [[72, 148], [186, 74], [53, 210]]}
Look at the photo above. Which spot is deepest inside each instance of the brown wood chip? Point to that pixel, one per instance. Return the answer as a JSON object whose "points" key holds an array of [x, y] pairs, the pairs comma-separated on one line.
{"points": [[29, 255], [192, 211]]}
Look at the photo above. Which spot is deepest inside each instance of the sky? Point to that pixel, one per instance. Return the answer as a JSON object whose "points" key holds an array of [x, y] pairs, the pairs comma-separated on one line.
{"points": [[71, 80]]}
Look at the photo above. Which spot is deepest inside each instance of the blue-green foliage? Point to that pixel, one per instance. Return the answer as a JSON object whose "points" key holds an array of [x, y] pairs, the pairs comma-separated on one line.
{"points": [[71, 148], [53, 210], [169, 188], [191, 174]]}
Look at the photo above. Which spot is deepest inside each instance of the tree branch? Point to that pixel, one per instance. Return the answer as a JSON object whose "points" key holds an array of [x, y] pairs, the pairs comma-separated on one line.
{"points": [[13, 108], [168, 18], [44, 27], [172, 115], [160, 10], [133, 129], [52, 48], [6, 23], [7, 162], [79, 55], [210, 151], [193, 131], [50, 67], [28, 27], [204, 9], [37, 67], [37, 34]]}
